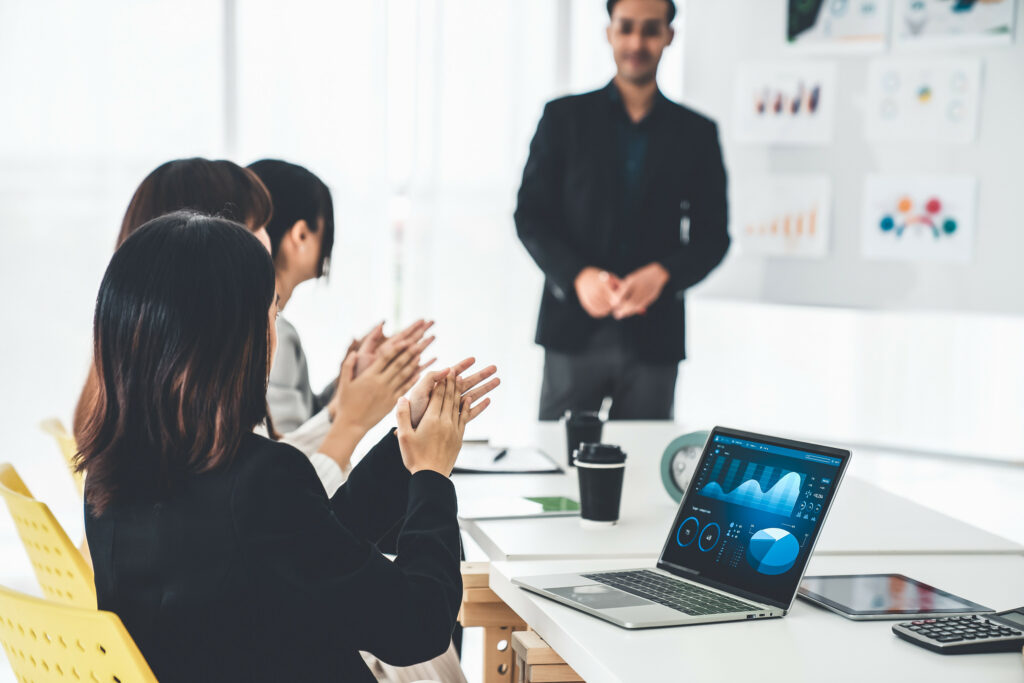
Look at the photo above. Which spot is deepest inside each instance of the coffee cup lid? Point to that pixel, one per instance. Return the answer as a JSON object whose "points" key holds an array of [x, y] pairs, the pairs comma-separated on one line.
{"points": [[600, 453]]}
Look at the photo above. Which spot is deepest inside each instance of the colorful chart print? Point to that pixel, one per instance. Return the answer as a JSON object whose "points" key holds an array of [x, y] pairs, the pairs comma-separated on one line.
{"points": [[840, 26], [919, 218], [934, 100], [782, 215], [928, 23], [785, 103]]}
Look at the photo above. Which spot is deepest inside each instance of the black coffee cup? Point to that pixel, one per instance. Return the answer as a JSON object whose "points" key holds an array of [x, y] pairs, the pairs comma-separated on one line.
{"points": [[601, 468], [581, 426]]}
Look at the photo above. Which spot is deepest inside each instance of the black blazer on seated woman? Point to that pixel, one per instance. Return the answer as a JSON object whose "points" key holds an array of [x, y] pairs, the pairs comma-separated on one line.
{"points": [[251, 573]]}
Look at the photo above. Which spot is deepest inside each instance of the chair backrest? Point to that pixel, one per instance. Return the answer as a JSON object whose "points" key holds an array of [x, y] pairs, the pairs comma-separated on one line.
{"points": [[59, 566], [46, 641], [68, 448]]}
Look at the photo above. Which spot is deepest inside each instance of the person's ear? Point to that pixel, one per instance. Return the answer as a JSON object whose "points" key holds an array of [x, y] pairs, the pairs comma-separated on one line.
{"points": [[671, 35], [299, 233], [608, 33]]}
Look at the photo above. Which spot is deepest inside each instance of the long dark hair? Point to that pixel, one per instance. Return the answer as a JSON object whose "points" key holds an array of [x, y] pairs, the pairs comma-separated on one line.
{"points": [[218, 188], [181, 349], [297, 195], [214, 187]]}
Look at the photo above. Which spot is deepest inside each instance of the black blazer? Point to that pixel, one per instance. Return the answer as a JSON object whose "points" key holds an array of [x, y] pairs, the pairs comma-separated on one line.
{"points": [[250, 573], [567, 207]]}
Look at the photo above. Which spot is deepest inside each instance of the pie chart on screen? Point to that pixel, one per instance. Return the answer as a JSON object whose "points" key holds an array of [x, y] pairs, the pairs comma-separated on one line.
{"points": [[772, 551]]}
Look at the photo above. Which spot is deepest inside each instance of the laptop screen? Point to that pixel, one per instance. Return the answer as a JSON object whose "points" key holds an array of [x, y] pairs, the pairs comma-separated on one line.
{"points": [[752, 514]]}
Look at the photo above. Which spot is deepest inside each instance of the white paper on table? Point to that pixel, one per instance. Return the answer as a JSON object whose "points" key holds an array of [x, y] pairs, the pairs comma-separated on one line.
{"points": [[923, 99], [918, 218], [785, 102], [782, 215], [944, 23], [476, 457]]}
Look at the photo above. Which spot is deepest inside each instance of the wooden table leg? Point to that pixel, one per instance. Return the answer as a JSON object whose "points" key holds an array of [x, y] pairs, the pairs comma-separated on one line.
{"points": [[538, 663], [483, 608]]}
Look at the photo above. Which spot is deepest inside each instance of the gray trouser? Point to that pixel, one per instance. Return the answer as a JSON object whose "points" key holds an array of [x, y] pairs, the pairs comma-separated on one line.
{"points": [[581, 381]]}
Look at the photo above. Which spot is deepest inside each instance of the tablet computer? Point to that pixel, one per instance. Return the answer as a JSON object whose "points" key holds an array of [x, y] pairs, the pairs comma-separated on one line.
{"points": [[883, 596]]}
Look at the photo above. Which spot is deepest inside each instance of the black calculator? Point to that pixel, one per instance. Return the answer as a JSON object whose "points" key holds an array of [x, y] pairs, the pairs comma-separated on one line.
{"points": [[999, 632]]}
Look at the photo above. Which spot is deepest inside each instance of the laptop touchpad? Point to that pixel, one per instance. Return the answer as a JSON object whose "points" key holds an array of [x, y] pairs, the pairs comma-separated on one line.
{"points": [[599, 597]]}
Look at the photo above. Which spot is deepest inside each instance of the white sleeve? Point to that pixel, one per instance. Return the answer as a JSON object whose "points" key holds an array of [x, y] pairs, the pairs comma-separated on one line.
{"points": [[332, 476], [308, 436]]}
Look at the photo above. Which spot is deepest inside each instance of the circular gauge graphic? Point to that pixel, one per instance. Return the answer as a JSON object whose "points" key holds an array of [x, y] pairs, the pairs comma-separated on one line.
{"points": [[772, 551], [709, 537], [687, 531]]}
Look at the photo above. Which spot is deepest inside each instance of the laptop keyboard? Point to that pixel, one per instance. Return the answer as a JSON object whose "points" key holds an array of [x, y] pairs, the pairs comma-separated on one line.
{"points": [[679, 595]]}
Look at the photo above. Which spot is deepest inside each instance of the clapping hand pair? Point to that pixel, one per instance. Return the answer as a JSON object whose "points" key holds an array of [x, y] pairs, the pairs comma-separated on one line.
{"points": [[432, 420], [378, 370]]}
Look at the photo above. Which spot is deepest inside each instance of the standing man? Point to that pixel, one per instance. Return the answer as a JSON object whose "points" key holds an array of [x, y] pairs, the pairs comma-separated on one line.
{"points": [[623, 206]]}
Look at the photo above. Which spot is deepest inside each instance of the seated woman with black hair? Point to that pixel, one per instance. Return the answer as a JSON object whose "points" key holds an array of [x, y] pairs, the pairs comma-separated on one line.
{"points": [[301, 235], [225, 189], [218, 548]]}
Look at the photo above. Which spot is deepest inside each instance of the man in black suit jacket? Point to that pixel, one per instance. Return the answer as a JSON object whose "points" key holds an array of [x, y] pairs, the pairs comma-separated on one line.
{"points": [[623, 206]]}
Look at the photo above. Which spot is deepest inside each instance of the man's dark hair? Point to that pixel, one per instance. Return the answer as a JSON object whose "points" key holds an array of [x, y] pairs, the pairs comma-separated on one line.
{"points": [[297, 195], [217, 188], [181, 347], [671, 9]]}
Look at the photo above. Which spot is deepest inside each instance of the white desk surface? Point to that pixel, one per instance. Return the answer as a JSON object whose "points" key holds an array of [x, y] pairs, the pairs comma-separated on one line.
{"points": [[864, 518], [809, 644]]}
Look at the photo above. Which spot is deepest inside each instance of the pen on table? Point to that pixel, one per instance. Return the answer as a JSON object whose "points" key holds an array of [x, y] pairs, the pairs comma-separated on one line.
{"points": [[500, 454]]}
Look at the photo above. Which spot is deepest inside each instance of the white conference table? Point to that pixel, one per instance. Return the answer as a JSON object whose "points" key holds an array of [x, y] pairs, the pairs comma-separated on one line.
{"points": [[809, 644], [864, 517]]}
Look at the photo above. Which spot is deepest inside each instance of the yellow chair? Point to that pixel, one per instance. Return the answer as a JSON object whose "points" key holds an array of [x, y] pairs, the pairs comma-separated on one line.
{"points": [[68, 448], [45, 641], [59, 566]]}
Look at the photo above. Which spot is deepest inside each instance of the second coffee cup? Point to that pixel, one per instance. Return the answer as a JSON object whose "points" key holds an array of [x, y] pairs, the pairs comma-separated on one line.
{"points": [[581, 426], [601, 469]]}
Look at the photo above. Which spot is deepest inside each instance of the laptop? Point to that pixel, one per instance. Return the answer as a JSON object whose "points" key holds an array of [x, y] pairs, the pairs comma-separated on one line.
{"points": [[738, 547]]}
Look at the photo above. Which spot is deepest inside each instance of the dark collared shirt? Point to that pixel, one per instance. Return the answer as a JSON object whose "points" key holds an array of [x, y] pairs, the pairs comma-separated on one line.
{"points": [[631, 144]]}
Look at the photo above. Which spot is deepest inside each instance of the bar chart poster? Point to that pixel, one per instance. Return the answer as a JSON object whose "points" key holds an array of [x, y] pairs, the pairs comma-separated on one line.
{"points": [[783, 215], [760, 487], [785, 103]]}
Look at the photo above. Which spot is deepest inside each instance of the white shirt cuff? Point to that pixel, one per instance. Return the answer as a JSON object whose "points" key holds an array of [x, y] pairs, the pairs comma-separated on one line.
{"points": [[331, 475]]}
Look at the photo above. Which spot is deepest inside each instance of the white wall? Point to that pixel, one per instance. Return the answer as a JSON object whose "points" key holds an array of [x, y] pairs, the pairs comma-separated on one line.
{"points": [[941, 382]]}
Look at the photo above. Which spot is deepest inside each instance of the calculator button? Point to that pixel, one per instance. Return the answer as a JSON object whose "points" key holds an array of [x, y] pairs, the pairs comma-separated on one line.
{"points": [[949, 639]]}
